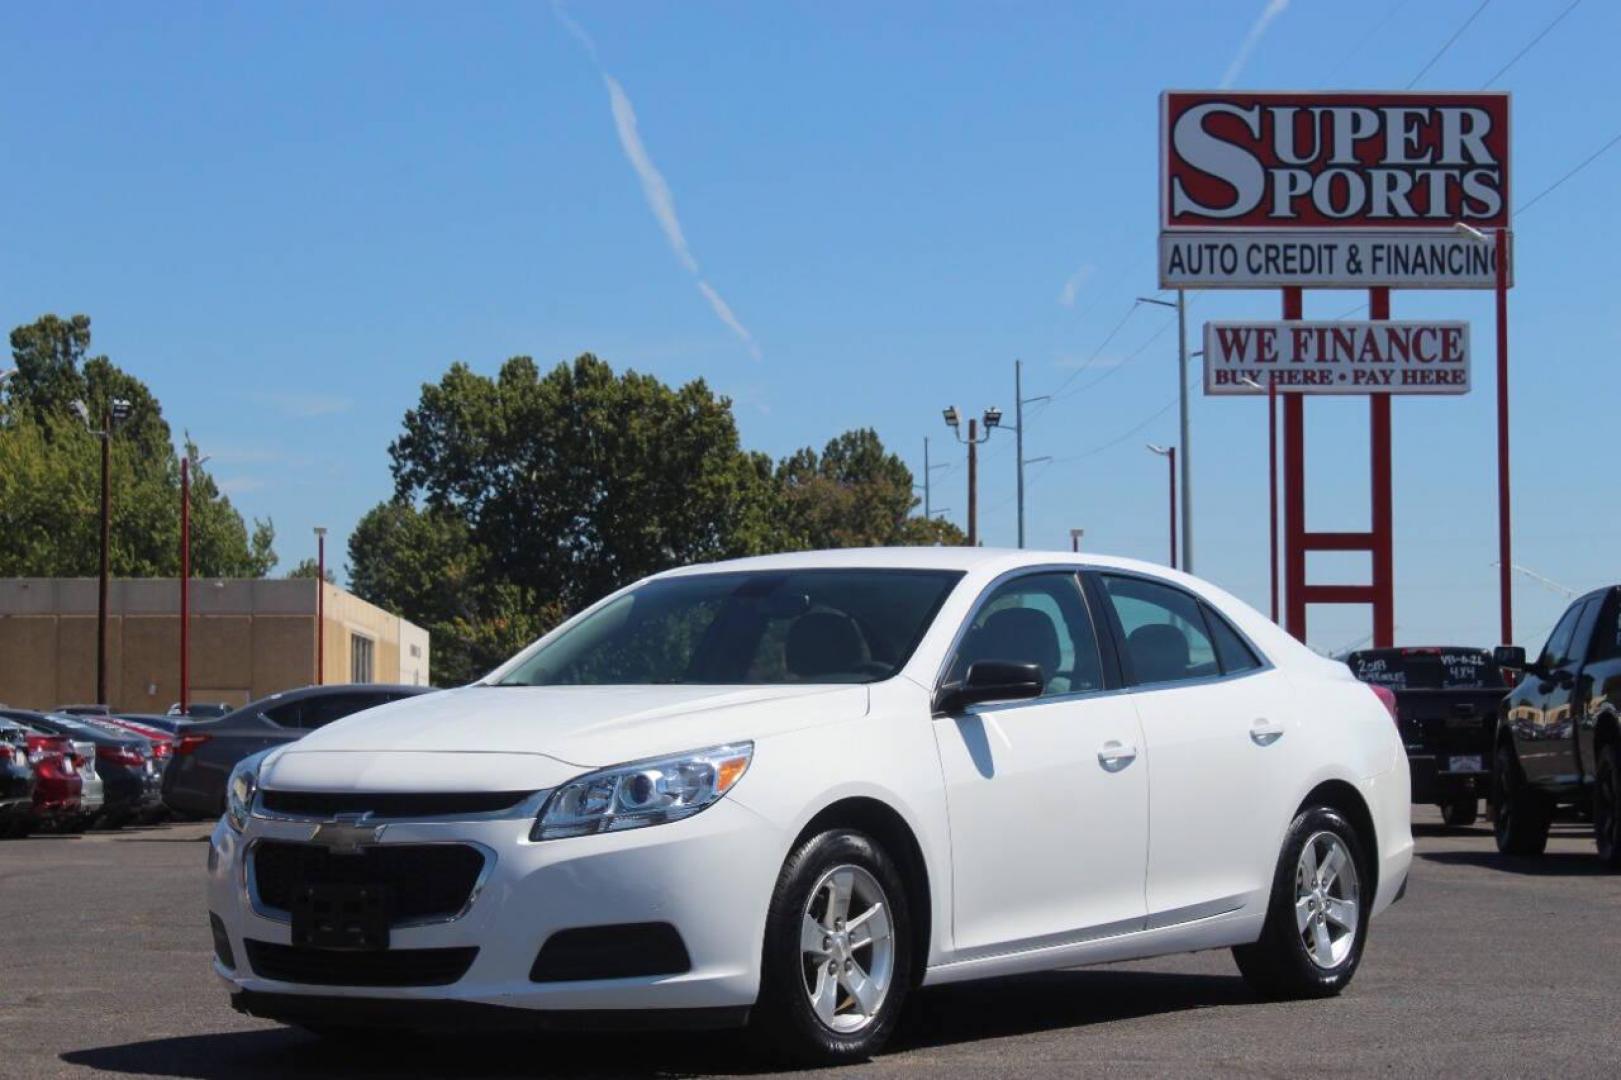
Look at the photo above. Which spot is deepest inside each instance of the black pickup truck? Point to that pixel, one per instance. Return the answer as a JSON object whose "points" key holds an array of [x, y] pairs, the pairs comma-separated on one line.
{"points": [[1558, 741], [1446, 710]]}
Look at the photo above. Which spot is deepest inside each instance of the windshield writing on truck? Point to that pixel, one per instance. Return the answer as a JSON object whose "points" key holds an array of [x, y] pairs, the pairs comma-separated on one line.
{"points": [[1441, 669]]}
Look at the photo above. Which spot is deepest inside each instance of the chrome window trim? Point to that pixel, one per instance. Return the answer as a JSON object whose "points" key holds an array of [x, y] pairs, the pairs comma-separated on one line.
{"points": [[1076, 569], [279, 915]]}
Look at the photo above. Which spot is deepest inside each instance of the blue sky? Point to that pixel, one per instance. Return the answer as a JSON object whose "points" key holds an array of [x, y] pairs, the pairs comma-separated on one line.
{"points": [[286, 218]]}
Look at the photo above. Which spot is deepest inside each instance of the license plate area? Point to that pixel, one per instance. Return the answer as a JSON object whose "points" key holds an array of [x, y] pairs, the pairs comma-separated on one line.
{"points": [[1466, 763], [333, 916]]}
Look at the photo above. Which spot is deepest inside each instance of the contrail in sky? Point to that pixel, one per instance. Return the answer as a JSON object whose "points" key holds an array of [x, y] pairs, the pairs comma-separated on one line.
{"points": [[655, 189], [1257, 30]]}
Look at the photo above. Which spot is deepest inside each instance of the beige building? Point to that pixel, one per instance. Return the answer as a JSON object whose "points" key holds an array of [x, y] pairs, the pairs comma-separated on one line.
{"points": [[249, 638]]}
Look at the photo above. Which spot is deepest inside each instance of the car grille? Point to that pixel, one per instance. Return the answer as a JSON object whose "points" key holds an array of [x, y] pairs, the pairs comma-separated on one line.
{"points": [[389, 804], [336, 967], [427, 881]]}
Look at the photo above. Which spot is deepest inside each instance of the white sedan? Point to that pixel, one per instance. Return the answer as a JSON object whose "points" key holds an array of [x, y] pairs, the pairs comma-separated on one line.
{"points": [[786, 791]]}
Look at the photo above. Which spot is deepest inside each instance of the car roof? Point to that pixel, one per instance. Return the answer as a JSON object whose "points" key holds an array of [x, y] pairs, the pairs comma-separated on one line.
{"points": [[965, 559]]}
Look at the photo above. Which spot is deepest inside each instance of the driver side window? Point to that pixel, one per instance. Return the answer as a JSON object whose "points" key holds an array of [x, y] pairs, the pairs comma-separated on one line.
{"points": [[1040, 619], [1556, 653]]}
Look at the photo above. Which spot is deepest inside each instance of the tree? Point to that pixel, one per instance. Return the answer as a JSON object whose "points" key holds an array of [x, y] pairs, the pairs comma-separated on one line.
{"points": [[309, 568], [50, 473], [524, 497], [855, 494]]}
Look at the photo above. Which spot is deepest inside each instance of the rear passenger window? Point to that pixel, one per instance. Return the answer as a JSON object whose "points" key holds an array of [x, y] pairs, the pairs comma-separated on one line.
{"points": [[1163, 630], [1232, 651], [288, 714], [319, 712]]}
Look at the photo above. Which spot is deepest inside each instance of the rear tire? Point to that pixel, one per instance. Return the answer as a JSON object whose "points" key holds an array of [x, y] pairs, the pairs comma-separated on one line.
{"points": [[1521, 822], [1607, 806], [1306, 948], [834, 977], [1460, 813]]}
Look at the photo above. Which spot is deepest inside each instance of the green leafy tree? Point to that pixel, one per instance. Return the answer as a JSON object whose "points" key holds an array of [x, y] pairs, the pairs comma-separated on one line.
{"points": [[50, 472], [526, 496], [309, 568]]}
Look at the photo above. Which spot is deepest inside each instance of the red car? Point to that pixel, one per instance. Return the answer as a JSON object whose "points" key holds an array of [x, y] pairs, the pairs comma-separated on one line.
{"points": [[57, 785]]}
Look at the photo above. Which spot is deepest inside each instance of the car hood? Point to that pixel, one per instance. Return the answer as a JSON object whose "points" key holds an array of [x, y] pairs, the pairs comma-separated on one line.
{"points": [[584, 726]]}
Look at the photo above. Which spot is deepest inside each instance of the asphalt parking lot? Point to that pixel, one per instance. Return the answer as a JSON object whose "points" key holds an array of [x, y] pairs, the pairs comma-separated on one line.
{"points": [[1490, 967]]}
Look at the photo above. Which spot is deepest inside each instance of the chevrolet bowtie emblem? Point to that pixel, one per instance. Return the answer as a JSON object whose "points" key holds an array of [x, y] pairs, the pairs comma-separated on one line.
{"points": [[346, 834]]}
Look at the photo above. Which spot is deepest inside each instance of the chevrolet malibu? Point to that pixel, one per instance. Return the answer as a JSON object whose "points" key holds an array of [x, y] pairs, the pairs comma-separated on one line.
{"points": [[784, 792]]}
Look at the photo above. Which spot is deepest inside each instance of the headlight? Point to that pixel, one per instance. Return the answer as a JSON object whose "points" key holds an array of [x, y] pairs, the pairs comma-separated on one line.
{"points": [[239, 793], [650, 792]]}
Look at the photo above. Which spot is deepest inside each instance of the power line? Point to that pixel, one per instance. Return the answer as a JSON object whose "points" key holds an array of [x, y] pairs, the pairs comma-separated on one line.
{"points": [[1456, 34], [1345, 58], [1545, 192], [1557, 19], [1127, 359]]}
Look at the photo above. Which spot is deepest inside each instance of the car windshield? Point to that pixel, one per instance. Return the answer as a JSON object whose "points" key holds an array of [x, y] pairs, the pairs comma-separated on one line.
{"points": [[1427, 669], [795, 626]]}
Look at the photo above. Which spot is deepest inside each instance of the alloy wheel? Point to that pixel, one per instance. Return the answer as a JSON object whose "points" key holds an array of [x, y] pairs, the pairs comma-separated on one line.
{"points": [[847, 948], [1327, 907]]}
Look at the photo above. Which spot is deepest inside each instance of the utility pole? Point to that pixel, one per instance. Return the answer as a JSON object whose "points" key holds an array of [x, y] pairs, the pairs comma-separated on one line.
{"points": [[1019, 402], [928, 472], [1185, 446], [101, 601], [117, 410]]}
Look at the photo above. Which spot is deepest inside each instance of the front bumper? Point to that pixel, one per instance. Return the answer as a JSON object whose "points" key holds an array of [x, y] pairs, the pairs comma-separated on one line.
{"points": [[709, 876]]}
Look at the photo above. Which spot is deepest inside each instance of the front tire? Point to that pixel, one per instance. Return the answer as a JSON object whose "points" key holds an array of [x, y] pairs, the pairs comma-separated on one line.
{"points": [[837, 961], [1607, 806], [1521, 822], [1317, 918]]}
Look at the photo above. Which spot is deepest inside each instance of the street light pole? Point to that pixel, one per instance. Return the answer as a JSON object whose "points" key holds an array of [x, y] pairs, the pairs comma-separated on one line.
{"points": [[1181, 307], [320, 605], [1505, 562], [993, 418], [1169, 453]]}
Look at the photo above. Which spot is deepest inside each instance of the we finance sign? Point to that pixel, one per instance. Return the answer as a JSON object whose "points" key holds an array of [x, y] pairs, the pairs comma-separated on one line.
{"points": [[1307, 357], [1329, 190]]}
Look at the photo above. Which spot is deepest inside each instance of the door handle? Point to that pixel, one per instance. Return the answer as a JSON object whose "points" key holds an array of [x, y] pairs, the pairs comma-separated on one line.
{"points": [[1264, 733], [1115, 755]]}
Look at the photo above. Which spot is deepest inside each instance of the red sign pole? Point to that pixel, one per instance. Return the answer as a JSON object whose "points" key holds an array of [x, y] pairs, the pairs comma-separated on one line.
{"points": [[1383, 514], [185, 583], [1505, 558], [1272, 477], [1294, 485]]}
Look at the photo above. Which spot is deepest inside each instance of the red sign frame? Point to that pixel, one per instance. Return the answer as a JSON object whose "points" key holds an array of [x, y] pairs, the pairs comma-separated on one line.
{"points": [[1314, 160]]}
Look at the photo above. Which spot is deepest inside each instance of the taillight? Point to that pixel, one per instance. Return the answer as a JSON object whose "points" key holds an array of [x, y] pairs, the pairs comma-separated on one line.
{"points": [[119, 755], [162, 749], [1387, 698], [189, 743]]}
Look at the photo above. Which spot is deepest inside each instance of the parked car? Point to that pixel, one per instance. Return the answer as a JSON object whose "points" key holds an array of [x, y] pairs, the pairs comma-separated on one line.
{"points": [[1558, 736], [207, 750], [92, 791], [122, 762], [57, 784], [16, 780], [200, 710], [163, 741], [83, 710], [787, 790], [1446, 700]]}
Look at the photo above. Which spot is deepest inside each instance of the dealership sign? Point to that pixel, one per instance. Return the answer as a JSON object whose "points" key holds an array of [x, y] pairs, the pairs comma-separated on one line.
{"points": [[1331, 189], [1337, 357]]}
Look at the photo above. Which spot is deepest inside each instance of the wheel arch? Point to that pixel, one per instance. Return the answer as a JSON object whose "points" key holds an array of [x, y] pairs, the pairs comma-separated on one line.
{"points": [[886, 825], [1343, 796]]}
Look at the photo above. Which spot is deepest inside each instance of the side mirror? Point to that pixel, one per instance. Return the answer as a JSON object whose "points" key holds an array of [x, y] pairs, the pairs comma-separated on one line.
{"points": [[991, 680], [1511, 657]]}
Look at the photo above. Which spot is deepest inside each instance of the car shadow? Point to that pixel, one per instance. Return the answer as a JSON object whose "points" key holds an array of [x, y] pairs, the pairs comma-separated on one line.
{"points": [[1550, 864], [936, 1017]]}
